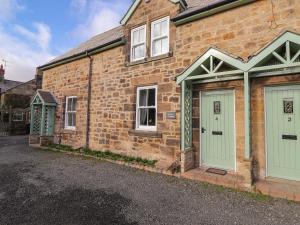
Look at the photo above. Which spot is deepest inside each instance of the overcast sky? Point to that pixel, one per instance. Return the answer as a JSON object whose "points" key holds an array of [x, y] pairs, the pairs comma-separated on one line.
{"points": [[32, 32]]}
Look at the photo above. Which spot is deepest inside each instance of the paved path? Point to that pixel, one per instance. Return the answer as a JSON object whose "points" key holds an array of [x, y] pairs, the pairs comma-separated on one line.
{"points": [[40, 187]]}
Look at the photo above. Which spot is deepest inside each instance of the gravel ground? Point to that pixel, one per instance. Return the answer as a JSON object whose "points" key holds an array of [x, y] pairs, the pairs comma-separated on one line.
{"points": [[41, 187]]}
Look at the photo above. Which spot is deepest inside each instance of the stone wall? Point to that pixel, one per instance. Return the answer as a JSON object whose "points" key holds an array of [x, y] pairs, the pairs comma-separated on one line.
{"points": [[69, 80], [241, 31]]}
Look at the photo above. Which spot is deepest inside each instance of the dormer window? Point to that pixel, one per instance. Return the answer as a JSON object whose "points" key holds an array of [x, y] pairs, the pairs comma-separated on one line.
{"points": [[160, 36], [138, 43]]}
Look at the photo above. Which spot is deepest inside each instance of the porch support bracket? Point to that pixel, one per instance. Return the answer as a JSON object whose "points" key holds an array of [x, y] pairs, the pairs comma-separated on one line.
{"points": [[247, 115], [186, 115], [32, 115], [43, 120]]}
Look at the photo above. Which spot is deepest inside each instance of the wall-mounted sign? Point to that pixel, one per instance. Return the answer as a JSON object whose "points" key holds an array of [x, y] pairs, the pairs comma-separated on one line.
{"points": [[171, 115]]}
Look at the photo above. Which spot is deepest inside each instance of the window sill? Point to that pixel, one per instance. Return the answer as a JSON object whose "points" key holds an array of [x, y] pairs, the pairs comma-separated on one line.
{"points": [[143, 133], [69, 131], [150, 59]]}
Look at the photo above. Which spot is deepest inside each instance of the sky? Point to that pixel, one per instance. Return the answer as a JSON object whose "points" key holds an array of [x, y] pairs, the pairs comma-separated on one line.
{"points": [[32, 32]]}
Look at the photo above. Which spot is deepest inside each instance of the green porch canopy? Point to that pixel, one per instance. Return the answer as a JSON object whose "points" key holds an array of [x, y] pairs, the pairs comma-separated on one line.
{"points": [[280, 57], [43, 106]]}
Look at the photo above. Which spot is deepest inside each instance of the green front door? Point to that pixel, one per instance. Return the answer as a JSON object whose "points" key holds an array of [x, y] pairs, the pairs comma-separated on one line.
{"points": [[283, 131], [217, 129]]}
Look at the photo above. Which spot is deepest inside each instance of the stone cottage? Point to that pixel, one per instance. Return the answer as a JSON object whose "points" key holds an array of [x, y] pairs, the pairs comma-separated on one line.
{"points": [[15, 99], [214, 84]]}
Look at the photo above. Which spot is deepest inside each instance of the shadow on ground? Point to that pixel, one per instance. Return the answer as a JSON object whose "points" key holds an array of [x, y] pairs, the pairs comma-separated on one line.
{"points": [[24, 203]]}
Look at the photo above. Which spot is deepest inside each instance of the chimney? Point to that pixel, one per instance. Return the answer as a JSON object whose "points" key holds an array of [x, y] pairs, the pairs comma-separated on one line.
{"points": [[2, 72]]}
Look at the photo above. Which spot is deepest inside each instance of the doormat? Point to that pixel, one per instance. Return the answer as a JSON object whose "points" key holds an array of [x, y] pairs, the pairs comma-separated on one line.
{"points": [[217, 171]]}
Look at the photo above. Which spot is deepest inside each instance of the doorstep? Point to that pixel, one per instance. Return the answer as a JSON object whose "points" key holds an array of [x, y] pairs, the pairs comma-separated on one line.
{"points": [[279, 188], [231, 179]]}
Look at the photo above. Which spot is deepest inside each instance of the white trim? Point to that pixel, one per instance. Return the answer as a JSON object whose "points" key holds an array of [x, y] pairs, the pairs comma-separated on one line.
{"points": [[234, 124], [66, 113], [137, 119], [139, 44], [167, 18]]}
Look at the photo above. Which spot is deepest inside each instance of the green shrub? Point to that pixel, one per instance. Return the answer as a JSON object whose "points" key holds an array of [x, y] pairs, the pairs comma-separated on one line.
{"points": [[105, 155]]}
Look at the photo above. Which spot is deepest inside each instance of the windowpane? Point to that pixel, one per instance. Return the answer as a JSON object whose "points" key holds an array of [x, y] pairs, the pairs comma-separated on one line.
{"points": [[151, 97], [69, 103], [164, 47], [74, 120], [138, 52], [143, 97], [156, 30], [70, 119], [151, 117], [164, 27], [74, 103], [17, 116], [143, 117], [142, 35], [156, 47], [136, 37]]}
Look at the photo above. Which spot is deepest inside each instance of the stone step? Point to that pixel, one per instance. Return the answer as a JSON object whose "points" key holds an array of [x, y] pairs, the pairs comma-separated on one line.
{"points": [[279, 188]]}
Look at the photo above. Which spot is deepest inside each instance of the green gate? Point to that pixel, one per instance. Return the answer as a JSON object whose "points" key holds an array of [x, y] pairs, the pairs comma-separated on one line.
{"points": [[217, 129], [283, 131]]}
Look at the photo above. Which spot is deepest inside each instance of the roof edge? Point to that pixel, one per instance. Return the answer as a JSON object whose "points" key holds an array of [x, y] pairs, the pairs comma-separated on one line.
{"points": [[209, 10], [135, 4], [18, 85], [101, 48]]}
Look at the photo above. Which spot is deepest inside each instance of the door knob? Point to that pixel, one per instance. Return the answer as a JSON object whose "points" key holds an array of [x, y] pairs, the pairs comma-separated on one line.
{"points": [[203, 130]]}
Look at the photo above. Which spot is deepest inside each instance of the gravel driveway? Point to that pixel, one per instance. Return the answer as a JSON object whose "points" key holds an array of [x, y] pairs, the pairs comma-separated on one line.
{"points": [[41, 187]]}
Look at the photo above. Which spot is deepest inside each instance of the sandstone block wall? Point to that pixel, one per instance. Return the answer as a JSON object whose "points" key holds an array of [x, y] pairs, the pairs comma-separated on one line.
{"points": [[241, 31]]}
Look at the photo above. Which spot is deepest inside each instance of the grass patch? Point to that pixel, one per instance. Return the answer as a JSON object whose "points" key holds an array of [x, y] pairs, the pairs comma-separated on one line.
{"points": [[105, 155], [259, 197]]}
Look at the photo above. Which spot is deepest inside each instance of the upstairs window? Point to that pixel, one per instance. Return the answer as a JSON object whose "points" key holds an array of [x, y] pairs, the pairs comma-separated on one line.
{"points": [[146, 108], [70, 116], [160, 36], [138, 43]]}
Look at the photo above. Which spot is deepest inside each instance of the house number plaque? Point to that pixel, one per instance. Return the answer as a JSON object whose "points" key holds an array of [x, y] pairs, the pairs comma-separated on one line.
{"points": [[171, 115]]}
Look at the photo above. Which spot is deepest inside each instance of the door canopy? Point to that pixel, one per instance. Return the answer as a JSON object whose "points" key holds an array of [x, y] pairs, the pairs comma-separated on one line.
{"points": [[43, 106], [213, 64], [281, 54], [44, 98], [279, 57]]}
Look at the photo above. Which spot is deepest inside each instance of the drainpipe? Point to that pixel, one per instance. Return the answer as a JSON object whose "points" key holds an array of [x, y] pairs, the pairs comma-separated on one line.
{"points": [[89, 94]]}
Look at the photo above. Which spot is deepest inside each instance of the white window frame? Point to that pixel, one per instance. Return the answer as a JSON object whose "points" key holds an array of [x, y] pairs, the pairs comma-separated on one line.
{"points": [[161, 37], [17, 120], [141, 43], [141, 127], [66, 113]]}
